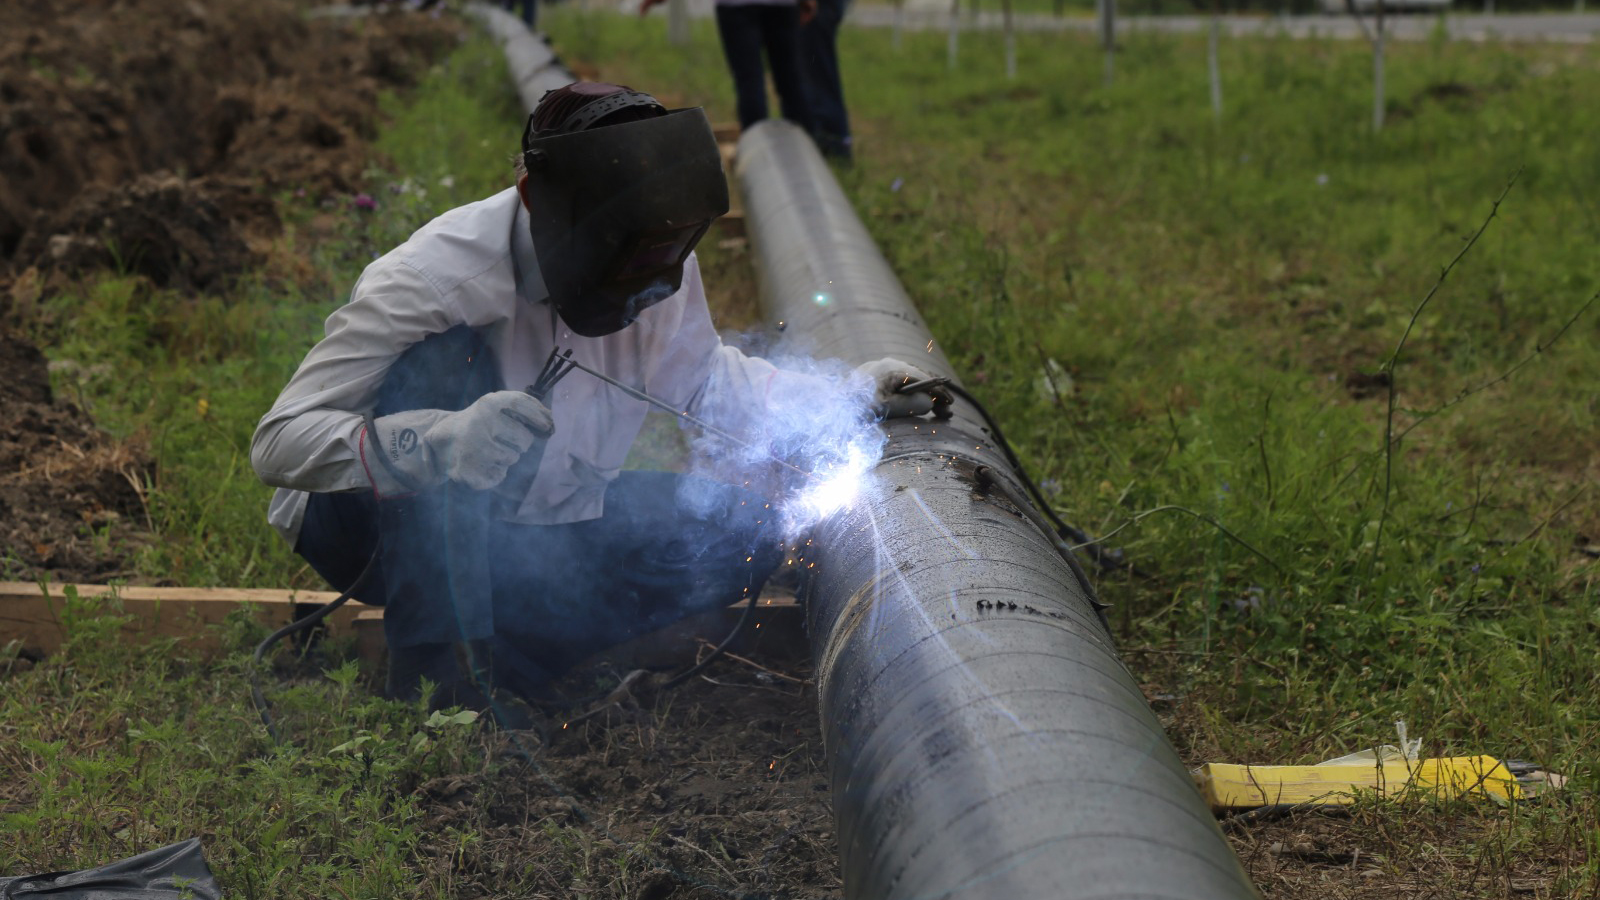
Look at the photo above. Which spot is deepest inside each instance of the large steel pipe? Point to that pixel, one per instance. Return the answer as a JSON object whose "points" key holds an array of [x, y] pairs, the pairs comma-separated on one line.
{"points": [[535, 68], [983, 738]]}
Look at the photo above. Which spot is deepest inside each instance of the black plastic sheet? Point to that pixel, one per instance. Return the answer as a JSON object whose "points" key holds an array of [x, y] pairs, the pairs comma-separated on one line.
{"points": [[176, 872]]}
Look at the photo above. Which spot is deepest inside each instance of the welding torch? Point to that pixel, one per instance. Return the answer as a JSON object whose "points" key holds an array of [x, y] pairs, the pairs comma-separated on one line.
{"points": [[685, 416], [907, 402], [915, 398]]}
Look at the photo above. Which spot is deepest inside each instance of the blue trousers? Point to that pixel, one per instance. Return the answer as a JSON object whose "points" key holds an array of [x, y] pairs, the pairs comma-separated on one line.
{"points": [[533, 599], [819, 57], [746, 31], [530, 11]]}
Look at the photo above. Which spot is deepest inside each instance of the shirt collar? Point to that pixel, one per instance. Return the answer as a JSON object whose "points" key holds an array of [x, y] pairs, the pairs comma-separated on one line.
{"points": [[524, 261]]}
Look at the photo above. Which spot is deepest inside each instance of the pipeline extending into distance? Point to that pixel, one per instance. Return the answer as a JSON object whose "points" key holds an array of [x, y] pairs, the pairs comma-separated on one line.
{"points": [[983, 738]]}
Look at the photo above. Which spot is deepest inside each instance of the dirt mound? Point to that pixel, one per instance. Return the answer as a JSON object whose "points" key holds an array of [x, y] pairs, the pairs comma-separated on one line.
{"points": [[69, 496], [177, 232], [106, 107], [150, 137]]}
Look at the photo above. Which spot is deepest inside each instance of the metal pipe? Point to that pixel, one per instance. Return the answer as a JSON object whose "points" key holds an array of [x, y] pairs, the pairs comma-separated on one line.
{"points": [[982, 736], [535, 68]]}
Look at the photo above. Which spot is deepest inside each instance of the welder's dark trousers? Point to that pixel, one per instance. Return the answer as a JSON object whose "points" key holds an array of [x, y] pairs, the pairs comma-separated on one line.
{"points": [[533, 599]]}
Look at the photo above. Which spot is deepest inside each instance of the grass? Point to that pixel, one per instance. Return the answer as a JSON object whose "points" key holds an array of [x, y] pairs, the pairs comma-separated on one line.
{"points": [[1214, 296], [113, 749], [1219, 302]]}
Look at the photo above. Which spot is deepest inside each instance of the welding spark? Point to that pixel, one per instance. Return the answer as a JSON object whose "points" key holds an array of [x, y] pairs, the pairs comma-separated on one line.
{"points": [[836, 486]]}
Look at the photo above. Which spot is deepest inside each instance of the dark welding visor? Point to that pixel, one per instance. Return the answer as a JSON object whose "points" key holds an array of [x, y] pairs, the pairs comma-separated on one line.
{"points": [[616, 210]]}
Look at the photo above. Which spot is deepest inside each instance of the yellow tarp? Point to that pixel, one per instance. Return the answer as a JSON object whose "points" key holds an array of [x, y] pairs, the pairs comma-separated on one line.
{"points": [[1230, 786]]}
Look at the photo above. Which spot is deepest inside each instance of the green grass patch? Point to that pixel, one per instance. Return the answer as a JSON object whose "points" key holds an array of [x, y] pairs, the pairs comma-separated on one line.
{"points": [[114, 748], [1217, 302]]}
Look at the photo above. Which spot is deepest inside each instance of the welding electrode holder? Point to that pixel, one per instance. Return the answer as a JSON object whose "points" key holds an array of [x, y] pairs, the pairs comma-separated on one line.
{"points": [[917, 398], [514, 488]]}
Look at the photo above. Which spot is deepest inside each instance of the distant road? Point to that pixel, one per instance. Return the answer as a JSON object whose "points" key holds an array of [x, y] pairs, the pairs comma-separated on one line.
{"points": [[1563, 28]]}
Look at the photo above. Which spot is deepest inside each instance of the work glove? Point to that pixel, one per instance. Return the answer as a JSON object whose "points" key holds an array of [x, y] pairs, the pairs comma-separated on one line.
{"points": [[888, 375], [423, 448]]}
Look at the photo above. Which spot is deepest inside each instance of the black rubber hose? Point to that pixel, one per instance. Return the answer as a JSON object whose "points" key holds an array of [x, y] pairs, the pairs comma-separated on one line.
{"points": [[987, 478], [1106, 559], [317, 615]]}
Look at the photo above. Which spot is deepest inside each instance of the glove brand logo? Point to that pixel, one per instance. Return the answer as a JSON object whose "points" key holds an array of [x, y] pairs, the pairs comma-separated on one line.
{"points": [[403, 441]]}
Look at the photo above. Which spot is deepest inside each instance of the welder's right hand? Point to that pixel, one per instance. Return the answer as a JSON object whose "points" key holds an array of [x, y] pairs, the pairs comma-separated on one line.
{"points": [[473, 447]]}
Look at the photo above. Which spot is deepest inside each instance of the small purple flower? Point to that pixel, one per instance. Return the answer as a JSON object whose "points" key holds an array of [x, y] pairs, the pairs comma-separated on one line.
{"points": [[898, 184], [1476, 568], [300, 193], [364, 201]]}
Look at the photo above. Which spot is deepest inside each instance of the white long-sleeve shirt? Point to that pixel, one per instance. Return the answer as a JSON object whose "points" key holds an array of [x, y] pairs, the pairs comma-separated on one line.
{"points": [[475, 265]]}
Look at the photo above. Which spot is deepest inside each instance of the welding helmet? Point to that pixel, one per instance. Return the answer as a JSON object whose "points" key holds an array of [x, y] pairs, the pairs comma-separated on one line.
{"points": [[619, 191]]}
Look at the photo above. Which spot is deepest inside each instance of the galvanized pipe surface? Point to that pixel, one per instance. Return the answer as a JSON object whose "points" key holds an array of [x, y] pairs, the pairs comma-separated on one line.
{"points": [[535, 67], [983, 738]]}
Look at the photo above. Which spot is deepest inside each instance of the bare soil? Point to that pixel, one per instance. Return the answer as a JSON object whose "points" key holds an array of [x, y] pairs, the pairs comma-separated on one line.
{"points": [[150, 138], [714, 789], [70, 503]]}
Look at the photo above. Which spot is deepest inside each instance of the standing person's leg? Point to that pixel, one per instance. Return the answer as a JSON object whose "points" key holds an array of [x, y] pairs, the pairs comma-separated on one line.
{"points": [[780, 32], [739, 26], [819, 52], [668, 546]]}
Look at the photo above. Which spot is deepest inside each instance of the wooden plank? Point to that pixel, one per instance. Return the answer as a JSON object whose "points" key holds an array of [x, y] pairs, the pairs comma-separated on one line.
{"points": [[730, 225], [33, 616]]}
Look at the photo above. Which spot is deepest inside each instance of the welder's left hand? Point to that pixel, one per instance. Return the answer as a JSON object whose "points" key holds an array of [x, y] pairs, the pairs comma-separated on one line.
{"points": [[889, 375]]}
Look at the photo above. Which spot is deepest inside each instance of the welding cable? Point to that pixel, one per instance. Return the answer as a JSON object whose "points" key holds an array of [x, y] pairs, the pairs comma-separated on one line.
{"points": [[987, 478], [300, 624], [1106, 559], [738, 629]]}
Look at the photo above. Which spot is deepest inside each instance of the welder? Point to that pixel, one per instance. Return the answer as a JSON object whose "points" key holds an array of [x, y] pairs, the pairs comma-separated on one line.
{"points": [[393, 441]]}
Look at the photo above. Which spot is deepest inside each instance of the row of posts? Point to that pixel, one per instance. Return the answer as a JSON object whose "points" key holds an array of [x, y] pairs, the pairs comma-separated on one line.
{"points": [[1106, 18]]}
